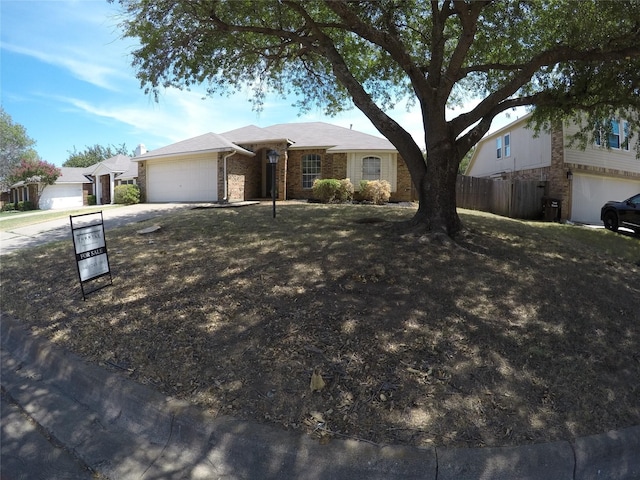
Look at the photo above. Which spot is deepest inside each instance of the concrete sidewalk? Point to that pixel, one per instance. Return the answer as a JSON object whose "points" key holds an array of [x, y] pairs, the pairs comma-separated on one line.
{"points": [[122, 429]]}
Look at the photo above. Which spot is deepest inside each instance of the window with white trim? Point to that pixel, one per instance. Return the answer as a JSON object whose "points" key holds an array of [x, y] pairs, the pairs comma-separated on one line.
{"points": [[371, 167], [507, 145], [311, 169], [499, 147]]}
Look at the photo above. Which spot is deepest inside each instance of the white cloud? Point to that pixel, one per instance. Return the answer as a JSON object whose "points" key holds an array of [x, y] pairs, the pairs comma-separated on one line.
{"points": [[88, 71]]}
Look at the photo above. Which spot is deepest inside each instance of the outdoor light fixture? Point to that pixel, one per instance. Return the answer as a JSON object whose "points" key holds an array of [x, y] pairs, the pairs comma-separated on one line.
{"points": [[569, 175], [273, 156]]}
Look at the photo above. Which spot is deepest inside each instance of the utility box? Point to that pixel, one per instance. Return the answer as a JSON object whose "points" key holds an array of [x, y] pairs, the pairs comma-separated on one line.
{"points": [[550, 209]]}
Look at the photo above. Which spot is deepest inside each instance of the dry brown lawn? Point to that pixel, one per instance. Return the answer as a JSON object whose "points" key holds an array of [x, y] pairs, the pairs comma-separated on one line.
{"points": [[524, 332]]}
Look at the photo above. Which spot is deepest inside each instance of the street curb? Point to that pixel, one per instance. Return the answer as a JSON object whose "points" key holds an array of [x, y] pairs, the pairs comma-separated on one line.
{"points": [[123, 430]]}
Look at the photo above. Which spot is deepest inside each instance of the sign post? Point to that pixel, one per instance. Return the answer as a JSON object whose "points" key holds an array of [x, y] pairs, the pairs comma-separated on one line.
{"points": [[90, 247]]}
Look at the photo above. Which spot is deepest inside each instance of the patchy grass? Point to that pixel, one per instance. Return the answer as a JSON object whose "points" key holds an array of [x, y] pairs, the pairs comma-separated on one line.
{"points": [[525, 332], [13, 219]]}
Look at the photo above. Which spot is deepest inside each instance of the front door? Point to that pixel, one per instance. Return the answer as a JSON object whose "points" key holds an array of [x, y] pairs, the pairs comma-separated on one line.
{"points": [[105, 190]]}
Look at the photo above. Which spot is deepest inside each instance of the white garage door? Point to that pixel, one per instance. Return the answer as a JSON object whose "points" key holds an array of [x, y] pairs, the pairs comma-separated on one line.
{"points": [[591, 192], [192, 180], [61, 196]]}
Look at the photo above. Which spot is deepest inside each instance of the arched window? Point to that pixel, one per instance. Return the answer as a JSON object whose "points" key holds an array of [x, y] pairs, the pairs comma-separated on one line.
{"points": [[371, 168], [310, 169]]}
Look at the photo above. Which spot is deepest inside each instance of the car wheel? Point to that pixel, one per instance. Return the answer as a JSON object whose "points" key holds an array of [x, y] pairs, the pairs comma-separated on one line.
{"points": [[611, 221]]}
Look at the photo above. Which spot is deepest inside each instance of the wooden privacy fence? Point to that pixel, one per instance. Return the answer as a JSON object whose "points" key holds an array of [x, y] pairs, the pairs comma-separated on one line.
{"points": [[509, 198]]}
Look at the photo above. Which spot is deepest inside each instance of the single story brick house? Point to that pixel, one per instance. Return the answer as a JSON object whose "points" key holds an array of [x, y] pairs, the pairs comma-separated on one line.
{"points": [[233, 166], [70, 190], [73, 187]]}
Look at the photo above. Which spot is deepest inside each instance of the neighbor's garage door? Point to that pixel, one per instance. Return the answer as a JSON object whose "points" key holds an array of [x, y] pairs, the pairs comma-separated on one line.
{"points": [[591, 192], [187, 180], [61, 196]]}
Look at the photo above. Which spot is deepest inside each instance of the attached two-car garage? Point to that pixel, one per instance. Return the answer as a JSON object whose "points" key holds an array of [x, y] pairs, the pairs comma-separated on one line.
{"points": [[590, 192], [61, 195], [183, 179]]}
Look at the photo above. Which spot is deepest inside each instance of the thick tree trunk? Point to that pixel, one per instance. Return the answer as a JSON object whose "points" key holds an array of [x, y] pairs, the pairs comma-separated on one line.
{"points": [[437, 209]]}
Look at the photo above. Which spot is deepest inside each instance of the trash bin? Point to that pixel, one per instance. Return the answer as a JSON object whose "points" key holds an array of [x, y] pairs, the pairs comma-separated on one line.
{"points": [[550, 209]]}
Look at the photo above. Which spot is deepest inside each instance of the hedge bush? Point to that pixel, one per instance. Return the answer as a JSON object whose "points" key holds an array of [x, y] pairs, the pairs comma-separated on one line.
{"points": [[375, 191], [332, 190], [126, 194], [91, 200], [25, 206]]}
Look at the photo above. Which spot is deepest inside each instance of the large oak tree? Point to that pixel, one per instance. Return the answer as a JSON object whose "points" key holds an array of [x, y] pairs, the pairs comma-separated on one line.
{"points": [[559, 57]]}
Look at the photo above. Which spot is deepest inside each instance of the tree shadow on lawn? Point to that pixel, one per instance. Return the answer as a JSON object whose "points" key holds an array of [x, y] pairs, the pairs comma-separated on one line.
{"points": [[517, 338]]}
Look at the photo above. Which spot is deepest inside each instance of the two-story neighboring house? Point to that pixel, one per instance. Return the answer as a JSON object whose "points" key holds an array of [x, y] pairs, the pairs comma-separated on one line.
{"points": [[583, 180]]}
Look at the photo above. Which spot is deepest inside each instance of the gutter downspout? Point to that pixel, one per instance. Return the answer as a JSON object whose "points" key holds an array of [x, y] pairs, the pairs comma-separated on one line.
{"points": [[225, 181]]}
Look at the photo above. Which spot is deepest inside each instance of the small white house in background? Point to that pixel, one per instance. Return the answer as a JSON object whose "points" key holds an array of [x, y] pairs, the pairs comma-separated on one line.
{"points": [[583, 180], [70, 190], [74, 185]]}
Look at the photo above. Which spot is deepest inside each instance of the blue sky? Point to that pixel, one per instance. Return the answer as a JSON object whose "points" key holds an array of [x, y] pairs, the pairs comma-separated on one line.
{"points": [[66, 77]]}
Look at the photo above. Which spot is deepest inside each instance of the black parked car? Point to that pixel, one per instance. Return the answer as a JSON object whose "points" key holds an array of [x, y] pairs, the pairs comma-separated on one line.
{"points": [[622, 214]]}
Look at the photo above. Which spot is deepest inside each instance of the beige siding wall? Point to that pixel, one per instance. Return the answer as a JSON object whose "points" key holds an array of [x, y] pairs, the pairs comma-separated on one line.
{"points": [[614, 161], [388, 167], [527, 153]]}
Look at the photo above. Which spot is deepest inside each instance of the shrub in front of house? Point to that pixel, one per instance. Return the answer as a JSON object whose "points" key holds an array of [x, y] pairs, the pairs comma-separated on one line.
{"points": [[91, 200], [346, 190], [25, 206], [332, 190], [375, 191], [126, 194]]}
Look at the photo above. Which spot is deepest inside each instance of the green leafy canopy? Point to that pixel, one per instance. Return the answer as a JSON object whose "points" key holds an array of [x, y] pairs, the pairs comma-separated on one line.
{"points": [[574, 59]]}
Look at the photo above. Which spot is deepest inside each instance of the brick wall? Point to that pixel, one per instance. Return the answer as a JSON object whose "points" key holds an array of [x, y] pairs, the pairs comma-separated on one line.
{"points": [[405, 192], [334, 165], [330, 167], [558, 184], [243, 177], [142, 180]]}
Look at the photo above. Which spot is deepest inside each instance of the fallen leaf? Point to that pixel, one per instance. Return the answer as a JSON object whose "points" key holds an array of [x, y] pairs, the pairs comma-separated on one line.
{"points": [[317, 383]]}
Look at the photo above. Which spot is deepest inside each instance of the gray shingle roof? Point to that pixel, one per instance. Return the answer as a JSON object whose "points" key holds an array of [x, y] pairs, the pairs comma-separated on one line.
{"points": [[119, 163], [250, 134], [333, 137], [67, 175], [299, 135], [72, 175], [209, 142]]}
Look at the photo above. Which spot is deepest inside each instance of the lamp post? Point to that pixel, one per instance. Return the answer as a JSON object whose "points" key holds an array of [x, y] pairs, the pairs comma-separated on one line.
{"points": [[273, 161]]}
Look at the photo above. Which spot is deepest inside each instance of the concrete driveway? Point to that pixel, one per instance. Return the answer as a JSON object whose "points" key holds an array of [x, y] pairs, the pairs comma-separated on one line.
{"points": [[49, 231]]}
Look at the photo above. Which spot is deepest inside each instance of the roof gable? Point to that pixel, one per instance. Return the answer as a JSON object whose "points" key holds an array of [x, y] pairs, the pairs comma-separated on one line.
{"points": [[310, 135], [72, 175], [117, 164], [251, 134], [326, 135], [208, 142]]}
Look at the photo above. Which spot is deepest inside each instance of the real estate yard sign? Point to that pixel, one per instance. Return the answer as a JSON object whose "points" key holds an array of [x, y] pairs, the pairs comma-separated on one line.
{"points": [[90, 247]]}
